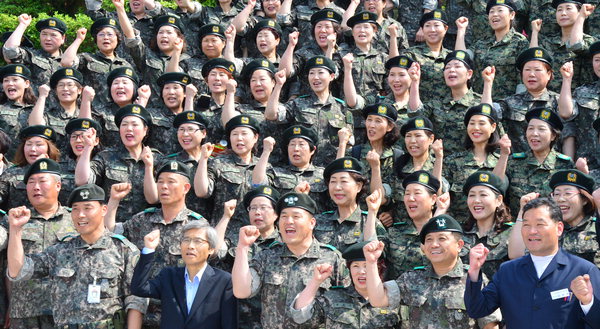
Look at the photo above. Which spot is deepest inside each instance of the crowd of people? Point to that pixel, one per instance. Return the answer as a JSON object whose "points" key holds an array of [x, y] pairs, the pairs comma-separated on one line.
{"points": [[303, 164]]}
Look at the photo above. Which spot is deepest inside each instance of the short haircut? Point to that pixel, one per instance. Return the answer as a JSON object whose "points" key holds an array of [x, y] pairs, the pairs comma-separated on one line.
{"points": [[211, 233], [553, 208]]}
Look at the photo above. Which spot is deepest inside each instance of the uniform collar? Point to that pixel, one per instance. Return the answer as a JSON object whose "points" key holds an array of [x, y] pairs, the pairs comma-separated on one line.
{"points": [[157, 217]]}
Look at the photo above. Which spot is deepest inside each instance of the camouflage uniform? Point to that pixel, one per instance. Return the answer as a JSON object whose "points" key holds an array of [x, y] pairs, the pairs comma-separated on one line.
{"points": [[12, 188], [429, 301], [326, 118], [581, 240], [32, 298], [457, 168], [403, 252], [432, 69], [193, 202], [588, 104], [215, 131], [502, 55], [105, 116], [331, 231], [266, 128], [73, 265], [95, 69], [455, 9], [57, 119], [41, 64], [67, 178], [162, 135], [527, 175], [409, 13], [381, 41], [168, 253], [403, 171], [479, 23], [13, 118], [286, 178], [496, 242], [592, 26], [345, 308], [309, 50], [191, 23], [303, 14], [278, 275], [542, 9]]}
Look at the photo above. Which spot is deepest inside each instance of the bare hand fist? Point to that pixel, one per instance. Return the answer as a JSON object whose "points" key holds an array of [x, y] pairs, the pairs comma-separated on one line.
{"points": [[88, 93], [374, 201], [25, 19], [505, 145], [373, 251], [344, 135], [438, 148], [477, 257], [81, 33], [415, 72], [119, 191], [488, 74], [248, 234], [331, 40], [231, 85], [178, 45], [119, 4], [373, 159], [536, 25], [566, 70], [528, 197], [293, 38], [207, 150], [386, 219], [230, 33], [43, 90], [19, 216], [89, 138], [229, 208], [144, 92], [582, 288], [348, 59], [152, 239], [280, 77], [586, 10], [393, 30], [322, 272], [147, 156], [582, 165], [420, 36], [268, 144], [442, 203], [302, 187], [462, 23], [191, 91]]}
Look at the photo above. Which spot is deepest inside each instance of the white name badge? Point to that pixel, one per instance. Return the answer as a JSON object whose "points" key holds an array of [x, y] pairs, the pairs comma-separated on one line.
{"points": [[93, 296], [562, 293]]}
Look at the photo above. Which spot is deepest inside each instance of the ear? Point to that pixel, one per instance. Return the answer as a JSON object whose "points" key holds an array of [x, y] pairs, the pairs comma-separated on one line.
{"points": [[186, 188], [58, 185], [313, 222], [461, 244], [469, 74], [27, 83], [499, 200], [560, 227], [494, 126], [104, 210]]}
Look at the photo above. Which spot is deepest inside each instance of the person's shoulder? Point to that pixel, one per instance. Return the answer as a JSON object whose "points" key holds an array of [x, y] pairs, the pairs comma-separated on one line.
{"points": [[224, 275], [118, 238]]}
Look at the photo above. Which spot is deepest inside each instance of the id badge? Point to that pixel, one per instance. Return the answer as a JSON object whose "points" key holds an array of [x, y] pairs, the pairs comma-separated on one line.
{"points": [[93, 296]]}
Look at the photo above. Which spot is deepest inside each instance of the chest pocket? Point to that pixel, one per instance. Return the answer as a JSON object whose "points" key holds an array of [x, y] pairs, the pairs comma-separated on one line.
{"points": [[42, 63], [585, 243], [119, 174], [174, 249], [232, 176], [108, 278], [516, 114], [589, 103], [18, 184], [456, 309], [32, 238], [286, 181], [343, 313], [65, 275], [8, 117], [155, 63], [97, 67], [161, 122], [57, 124], [273, 278]]}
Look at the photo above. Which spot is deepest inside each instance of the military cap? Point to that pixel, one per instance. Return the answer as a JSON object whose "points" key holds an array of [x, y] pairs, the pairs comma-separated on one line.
{"points": [[296, 200], [481, 109], [214, 63], [485, 178], [85, 193], [555, 3], [354, 252], [533, 54], [434, 15], [594, 48], [173, 77], [212, 29], [299, 131], [190, 117], [18, 70], [545, 115], [122, 72], [41, 166], [424, 178], [65, 73], [168, 20], [320, 61], [257, 64], [103, 22], [326, 14], [506, 3], [441, 223], [52, 23], [175, 167], [78, 124], [267, 24], [345, 164], [263, 190], [381, 109], [460, 55], [416, 123], [133, 110], [25, 41], [363, 17], [572, 177], [596, 125], [242, 120], [38, 131], [398, 61]]}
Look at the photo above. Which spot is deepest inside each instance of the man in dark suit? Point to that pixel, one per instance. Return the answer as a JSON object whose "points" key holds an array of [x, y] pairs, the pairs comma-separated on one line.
{"points": [[197, 296], [549, 288]]}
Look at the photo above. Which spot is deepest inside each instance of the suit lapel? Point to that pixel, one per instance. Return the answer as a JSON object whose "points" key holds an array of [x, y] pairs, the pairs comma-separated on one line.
{"points": [[179, 287], [559, 259], [206, 283]]}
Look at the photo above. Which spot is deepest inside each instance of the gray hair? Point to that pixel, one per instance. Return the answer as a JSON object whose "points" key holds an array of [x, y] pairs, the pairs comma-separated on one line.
{"points": [[211, 233]]}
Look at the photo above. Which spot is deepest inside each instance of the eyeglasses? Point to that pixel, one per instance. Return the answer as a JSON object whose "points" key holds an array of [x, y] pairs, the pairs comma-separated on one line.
{"points": [[568, 195], [197, 241], [262, 208], [68, 85], [76, 136], [102, 35], [187, 130]]}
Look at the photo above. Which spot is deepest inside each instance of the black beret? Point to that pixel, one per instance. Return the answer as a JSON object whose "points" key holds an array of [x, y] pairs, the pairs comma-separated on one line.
{"points": [[345, 164], [257, 64], [363, 17], [506, 3], [190, 117], [296, 200], [594, 48], [354, 252], [533, 54], [545, 115], [168, 20], [381, 109], [242, 120], [175, 167], [460, 55], [41, 166], [133, 110], [122, 72], [263, 190], [18, 70], [398, 61], [103, 22], [555, 3], [596, 125], [266, 24], [481, 109], [65, 73], [441, 223], [38, 131], [320, 61], [326, 14], [25, 41], [78, 124], [85, 193], [52, 23], [212, 29], [434, 15], [424, 178], [572, 177], [299, 131], [416, 123], [173, 77], [485, 178], [217, 63]]}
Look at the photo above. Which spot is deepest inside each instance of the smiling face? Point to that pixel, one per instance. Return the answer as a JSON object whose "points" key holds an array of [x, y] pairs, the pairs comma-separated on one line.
{"points": [[194, 247], [540, 233], [343, 189], [35, 148], [539, 135], [571, 203], [261, 85], [42, 189], [417, 142], [216, 80], [442, 247], [262, 214], [399, 80], [88, 217], [323, 29], [500, 17], [190, 136], [480, 128], [271, 7], [14, 88], [266, 41], [212, 46], [319, 79], [296, 226], [419, 201], [77, 144], [122, 90], [483, 202], [132, 131], [363, 33], [67, 90], [434, 31]]}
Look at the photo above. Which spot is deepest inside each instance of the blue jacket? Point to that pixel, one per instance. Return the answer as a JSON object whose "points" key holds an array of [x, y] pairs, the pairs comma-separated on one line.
{"points": [[526, 301]]}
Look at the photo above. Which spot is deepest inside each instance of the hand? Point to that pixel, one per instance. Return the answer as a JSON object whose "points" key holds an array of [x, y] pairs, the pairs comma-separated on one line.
{"points": [[119, 191], [586, 10], [582, 165], [231, 85], [536, 25], [88, 93], [178, 45], [89, 138], [596, 196], [207, 150], [119, 4], [152, 239], [505, 145], [251, 4], [302, 187], [386, 219], [322, 272], [442, 203], [373, 159], [420, 36], [415, 72], [528, 197], [438, 148], [331, 41], [488, 74], [374, 201], [347, 60], [144, 92], [280, 77], [248, 234], [293, 38], [268, 144], [477, 257], [25, 19], [43, 91], [230, 33], [355, 2], [393, 30], [191, 91], [566, 70], [582, 288], [81, 33], [19, 216], [147, 156], [462, 23], [229, 208], [373, 250], [344, 135]]}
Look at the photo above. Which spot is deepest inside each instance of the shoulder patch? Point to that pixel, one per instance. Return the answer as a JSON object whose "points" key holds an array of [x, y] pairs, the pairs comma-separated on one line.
{"points": [[419, 268], [399, 223], [2, 212], [150, 210], [68, 237], [521, 155], [328, 212], [118, 237], [196, 215], [341, 101], [364, 212], [303, 96], [69, 209], [336, 287], [274, 243], [328, 246], [509, 223], [593, 219], [171, 155], [563, 157], [466, 267]]}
